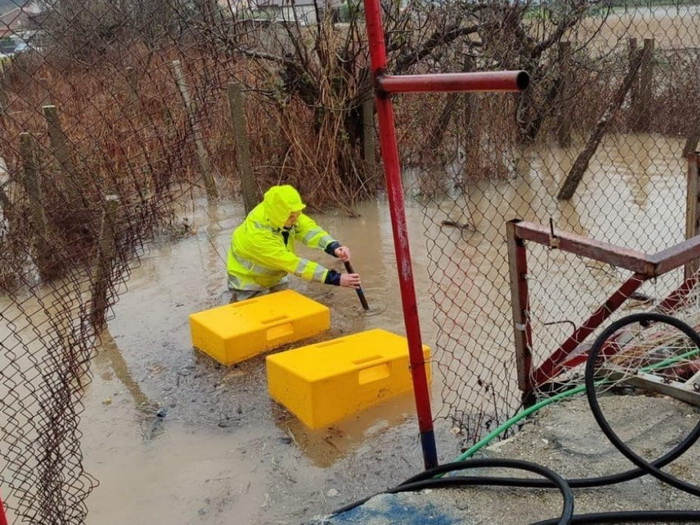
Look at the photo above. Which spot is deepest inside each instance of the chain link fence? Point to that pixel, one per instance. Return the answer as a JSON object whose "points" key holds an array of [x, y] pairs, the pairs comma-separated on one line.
{"points": [[112, 111], [597, 147]]}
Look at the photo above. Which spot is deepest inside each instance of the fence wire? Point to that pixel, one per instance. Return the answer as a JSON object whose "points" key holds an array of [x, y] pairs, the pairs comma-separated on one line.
{"points": [[112, 111], [605, 111]]}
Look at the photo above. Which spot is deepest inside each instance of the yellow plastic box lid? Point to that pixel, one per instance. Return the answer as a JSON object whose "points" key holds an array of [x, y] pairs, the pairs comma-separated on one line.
{"points": [[235, 332]]}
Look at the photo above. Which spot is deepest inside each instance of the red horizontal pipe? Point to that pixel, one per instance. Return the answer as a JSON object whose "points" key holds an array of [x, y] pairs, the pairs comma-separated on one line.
{"points": [[481, 81]]}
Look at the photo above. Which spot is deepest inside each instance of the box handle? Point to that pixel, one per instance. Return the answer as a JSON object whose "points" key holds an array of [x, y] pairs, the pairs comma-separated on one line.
{"points": [[373, 374], [371, 369], [280, 327], [330, 343], [274, 319], [365, 360]]}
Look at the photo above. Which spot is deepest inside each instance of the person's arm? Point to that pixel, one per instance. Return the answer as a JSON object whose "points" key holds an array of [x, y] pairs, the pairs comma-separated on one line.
{"points": [[347, 280], [271, 253], [313, 236]]}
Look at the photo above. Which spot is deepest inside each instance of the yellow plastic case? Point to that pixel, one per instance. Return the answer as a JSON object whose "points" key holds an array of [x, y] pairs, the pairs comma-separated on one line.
{"points": [[236, 332], [326, 382]]}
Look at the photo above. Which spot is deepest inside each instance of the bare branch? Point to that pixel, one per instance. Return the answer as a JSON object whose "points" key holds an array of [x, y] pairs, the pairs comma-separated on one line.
{"points": [[437, 40]]}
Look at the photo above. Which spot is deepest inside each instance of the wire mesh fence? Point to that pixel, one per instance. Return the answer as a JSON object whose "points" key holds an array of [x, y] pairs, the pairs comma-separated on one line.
{"points": [[597, 148], [112, 111]]}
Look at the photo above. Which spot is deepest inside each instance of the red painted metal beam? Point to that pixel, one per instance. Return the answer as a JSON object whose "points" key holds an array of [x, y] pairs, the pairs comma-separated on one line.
{"points": [[638, 262], [520, 303], [677, 297], [676, 256], [632, 260], [392, 174], [645, 267], [553, 365], [505, 81]]}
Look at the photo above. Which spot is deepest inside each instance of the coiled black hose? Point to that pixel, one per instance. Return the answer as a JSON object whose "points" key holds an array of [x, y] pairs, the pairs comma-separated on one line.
{"points": [[642, 318], [427, 478]]}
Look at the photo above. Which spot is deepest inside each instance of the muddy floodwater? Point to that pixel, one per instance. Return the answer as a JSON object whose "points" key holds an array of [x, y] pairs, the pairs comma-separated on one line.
{"points": [[173, 437]]}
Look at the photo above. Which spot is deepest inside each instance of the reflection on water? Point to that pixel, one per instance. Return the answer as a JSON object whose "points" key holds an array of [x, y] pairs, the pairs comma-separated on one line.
{"points": [[43, 373], [325, 446], [110, 358]]}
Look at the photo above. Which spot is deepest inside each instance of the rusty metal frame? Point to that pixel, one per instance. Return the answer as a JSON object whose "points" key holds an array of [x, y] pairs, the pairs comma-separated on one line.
{"points": [[644, 266]]}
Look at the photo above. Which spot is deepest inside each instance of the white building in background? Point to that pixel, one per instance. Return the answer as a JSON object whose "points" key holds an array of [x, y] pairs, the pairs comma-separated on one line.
{"points": [[233, 6], [302, 11]]}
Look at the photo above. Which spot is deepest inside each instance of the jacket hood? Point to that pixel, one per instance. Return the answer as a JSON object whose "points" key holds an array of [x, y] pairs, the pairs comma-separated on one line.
{"points": [[279, 202]]}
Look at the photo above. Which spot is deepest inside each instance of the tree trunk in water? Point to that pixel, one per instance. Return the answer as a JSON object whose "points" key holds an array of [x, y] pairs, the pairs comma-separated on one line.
{"points": [[532, 129], [582, 161]]}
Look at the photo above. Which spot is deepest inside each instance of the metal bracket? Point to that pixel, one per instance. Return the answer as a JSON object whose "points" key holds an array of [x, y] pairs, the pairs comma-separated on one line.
{"points": [[553, 239]]}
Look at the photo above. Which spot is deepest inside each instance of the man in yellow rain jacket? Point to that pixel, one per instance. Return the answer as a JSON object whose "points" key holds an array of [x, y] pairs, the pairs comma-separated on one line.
{"points": [[262, 252]]}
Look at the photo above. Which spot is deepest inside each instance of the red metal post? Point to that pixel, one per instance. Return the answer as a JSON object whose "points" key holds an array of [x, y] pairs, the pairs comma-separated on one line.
{"points": [[385, 85], [520, 302], [3, 518], [392, 174]]}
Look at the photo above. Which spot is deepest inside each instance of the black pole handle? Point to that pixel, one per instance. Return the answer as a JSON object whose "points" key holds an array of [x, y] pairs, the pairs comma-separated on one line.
{"points": [[359, 291]]}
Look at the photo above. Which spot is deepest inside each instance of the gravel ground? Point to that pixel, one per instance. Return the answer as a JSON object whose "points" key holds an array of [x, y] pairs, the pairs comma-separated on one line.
{"points": [[566, 439]]}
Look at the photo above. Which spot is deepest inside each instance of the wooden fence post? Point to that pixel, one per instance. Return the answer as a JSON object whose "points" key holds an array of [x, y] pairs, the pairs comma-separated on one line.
{"points": [[61, 150], [632, 56], [642, 111], [134, 98], [5, 202], [692, 141], [103, 264], [4, 99], [564, 132], [236, 101], [46, 260], [202, 154]]}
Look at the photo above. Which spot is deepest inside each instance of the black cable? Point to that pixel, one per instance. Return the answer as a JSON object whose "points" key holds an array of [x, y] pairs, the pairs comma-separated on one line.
{"points": [[633, 516], [645, 317], [427, 479]]}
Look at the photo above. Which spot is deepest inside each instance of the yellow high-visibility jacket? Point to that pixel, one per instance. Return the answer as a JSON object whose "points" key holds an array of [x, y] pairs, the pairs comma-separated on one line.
{"points": [[258, 257]]}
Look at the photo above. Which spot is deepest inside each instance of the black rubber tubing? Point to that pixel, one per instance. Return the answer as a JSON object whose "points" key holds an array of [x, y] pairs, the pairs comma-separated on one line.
{"points": [[651, 468], [633, 516], [427, 479]]}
